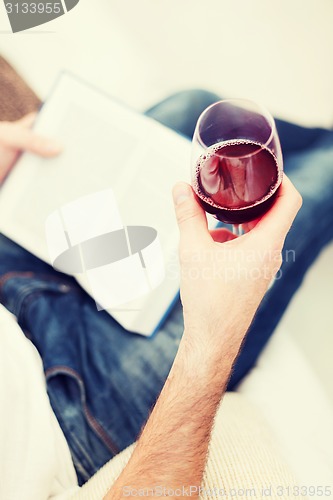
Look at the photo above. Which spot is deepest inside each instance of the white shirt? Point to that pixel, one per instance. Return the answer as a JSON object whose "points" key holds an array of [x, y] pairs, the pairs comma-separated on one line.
{"points": [[35, 461]]}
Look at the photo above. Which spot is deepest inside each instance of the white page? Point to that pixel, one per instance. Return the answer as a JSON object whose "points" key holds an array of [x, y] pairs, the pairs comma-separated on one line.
{"points": [[106, 145]]}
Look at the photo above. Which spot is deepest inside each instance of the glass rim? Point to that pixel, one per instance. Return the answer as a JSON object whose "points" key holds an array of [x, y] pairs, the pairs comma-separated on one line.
{"points": [[265, 112]]}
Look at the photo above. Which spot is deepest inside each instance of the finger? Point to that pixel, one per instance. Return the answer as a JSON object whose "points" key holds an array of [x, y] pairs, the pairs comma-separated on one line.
{"points": [[278, 220], [248, 226], [191, 217], [17, 137], [221, 235]]}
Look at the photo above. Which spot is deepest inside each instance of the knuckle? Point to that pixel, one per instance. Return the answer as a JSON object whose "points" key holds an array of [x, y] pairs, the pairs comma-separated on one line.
{"points": [[185, 213], [278, 261], [297, 197], [299, 200]]}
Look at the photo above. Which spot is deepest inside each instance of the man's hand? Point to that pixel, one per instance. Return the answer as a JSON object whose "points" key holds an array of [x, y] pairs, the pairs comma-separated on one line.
{"points": [[17, 137], [223, 280]]}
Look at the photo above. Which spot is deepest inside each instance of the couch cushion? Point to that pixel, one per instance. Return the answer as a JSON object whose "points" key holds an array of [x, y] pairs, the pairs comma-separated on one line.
{"points": [[287, 392], [243, 457]]}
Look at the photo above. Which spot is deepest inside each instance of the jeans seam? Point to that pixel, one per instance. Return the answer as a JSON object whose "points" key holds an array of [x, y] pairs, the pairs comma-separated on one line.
{"points": [[79, 446], [91, 420], [13, 274], [29, 274], [28, 291]]}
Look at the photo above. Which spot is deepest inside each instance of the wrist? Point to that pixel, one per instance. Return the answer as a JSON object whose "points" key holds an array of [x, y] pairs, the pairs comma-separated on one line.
{"points": [[219, 336], [205, 356]]}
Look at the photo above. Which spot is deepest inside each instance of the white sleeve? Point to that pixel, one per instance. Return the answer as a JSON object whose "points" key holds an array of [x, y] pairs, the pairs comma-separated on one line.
{"points": [[35, 461]]}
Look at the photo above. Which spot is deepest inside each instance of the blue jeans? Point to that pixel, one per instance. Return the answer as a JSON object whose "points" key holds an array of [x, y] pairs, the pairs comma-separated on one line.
{"points": [[102, 381]]}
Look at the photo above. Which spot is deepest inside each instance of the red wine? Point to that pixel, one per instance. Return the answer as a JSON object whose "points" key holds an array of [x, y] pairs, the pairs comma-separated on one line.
{"points": [[237, 181]]}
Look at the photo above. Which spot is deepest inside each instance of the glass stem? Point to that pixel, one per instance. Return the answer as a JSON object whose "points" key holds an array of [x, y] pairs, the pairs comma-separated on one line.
{"points": [[237, 229]]}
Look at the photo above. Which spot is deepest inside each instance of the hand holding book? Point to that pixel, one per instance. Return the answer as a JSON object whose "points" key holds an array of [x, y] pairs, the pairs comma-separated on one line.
{"points": [[17, 137]]}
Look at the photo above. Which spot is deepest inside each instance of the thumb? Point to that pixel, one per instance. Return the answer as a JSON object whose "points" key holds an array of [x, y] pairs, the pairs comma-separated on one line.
{"points": [[191, 217], [18, 137]]}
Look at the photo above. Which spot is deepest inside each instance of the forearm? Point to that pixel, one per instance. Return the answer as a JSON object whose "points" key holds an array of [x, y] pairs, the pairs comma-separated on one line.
{"points": [[218, 309], [172, 449]]}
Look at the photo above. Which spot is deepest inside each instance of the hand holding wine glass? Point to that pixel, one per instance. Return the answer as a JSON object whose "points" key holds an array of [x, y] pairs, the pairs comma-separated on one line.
{"points": [[236, 161], [220, 284]]}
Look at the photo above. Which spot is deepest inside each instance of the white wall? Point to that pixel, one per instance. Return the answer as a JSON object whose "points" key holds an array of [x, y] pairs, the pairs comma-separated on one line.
{"points": [[279, 53]]}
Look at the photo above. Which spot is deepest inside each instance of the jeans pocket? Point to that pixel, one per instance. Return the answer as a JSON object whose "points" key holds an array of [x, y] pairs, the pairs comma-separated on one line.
{"points": [[91, 446], [17, 289]]}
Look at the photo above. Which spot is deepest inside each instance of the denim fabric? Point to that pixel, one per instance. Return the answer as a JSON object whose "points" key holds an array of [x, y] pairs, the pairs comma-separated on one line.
{"points": [[102, 380]]}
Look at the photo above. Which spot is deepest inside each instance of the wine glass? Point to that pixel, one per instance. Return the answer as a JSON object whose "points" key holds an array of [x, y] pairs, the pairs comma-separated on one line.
{"points": [[237, 164]]}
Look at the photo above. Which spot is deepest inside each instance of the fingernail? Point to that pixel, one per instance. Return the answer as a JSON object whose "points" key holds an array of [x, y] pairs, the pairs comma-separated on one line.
{"points": [[181, 193], [52, 147]]}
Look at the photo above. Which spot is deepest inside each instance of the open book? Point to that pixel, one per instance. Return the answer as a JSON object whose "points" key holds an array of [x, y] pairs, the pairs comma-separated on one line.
{"points": [[108, 148]]}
